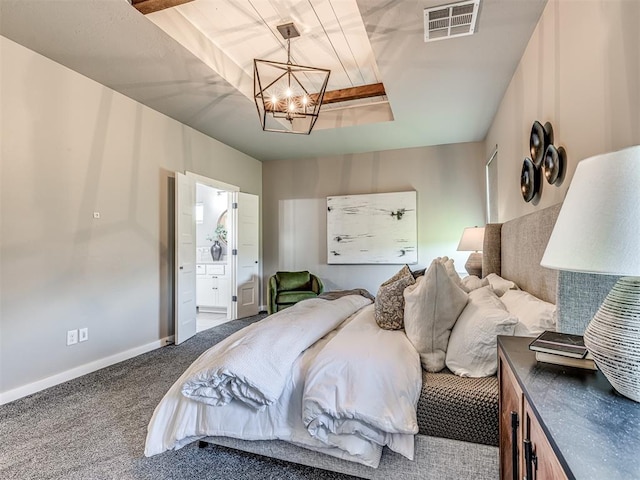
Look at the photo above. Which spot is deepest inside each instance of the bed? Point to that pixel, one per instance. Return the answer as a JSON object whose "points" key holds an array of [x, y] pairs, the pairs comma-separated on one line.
{"points": [[457, 417]]}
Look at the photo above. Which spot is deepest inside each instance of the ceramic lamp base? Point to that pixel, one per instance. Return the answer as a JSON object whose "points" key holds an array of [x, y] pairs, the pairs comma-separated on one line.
{"points": [[613, 337], [474, 264]]}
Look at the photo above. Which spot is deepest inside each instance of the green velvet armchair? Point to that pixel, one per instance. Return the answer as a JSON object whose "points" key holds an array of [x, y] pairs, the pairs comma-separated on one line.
{"points": [[288, 288]]}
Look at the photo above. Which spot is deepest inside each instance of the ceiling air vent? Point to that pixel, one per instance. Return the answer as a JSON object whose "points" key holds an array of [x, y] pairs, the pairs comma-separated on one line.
{"points": [[454, 20]]}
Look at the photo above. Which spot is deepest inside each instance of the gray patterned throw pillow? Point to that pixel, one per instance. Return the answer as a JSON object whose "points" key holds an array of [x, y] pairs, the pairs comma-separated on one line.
{"points": [[389, 304]]}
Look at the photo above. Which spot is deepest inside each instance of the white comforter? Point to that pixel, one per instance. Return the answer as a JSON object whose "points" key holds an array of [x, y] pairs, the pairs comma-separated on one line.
{"points": [[365, 383], [253, 365], [179, 420]]}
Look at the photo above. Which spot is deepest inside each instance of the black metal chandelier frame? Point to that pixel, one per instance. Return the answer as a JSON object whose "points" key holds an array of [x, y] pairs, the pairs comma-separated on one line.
{"points": [[296, 109]]}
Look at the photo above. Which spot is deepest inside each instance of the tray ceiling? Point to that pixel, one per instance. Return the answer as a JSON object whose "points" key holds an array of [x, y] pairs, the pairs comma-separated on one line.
{"points": [[439, 92]]}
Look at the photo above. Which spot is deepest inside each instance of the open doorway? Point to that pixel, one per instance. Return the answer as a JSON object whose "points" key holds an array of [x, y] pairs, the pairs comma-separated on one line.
{"points": [[213, 256], [238, 262]]}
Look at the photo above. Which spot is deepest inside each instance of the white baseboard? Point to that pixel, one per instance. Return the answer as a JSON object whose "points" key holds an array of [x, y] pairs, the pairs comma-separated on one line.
{"points": [[16, 393]]}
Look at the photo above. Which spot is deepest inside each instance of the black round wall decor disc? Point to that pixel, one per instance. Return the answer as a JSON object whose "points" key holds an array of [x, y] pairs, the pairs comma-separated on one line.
{"points": [[529, 180], [554, 164], [541, 137]]}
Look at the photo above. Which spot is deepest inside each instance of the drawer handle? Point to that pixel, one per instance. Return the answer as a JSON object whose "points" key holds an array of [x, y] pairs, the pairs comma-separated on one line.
{"points": [[530, 459], [514, 444]]}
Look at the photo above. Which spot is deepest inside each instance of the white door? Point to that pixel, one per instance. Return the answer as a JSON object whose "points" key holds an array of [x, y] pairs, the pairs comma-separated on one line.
{"points": [[247, 285], [185, 277]]}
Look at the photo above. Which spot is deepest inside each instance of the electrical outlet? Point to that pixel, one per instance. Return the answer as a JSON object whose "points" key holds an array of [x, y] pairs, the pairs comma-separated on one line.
{"points": [[84, 334], [72, 337]]}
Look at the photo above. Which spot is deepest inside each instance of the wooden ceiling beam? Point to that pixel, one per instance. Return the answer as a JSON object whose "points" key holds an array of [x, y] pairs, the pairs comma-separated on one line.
{"points": [[149, 6], [342, 95], [354, 93]]}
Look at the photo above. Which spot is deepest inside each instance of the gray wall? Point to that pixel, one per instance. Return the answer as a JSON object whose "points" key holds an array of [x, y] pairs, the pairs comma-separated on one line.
{"points": [[450, 184], [71, 147], [581, 72]]}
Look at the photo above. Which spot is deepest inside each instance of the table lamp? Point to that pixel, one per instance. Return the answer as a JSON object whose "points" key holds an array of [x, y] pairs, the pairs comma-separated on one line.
{"points": [[598, 231], [471, 241]]}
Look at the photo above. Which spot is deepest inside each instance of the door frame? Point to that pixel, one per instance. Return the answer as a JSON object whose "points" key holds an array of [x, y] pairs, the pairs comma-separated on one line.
{"points": [[231, 189], [491, 197]]}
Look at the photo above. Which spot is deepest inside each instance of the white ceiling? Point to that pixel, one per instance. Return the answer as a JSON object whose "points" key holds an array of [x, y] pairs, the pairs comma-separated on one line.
{"points": [[439, 92]]}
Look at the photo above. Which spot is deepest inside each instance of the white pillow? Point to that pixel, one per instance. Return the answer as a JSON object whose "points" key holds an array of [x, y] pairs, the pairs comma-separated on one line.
{"points": [[500, 285], [451, 270], [431, 307], [472, 282], [534, 315], [473, 346]]}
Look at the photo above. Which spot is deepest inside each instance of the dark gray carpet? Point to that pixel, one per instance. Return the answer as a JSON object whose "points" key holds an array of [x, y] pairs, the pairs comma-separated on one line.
{"points": [[94, 427]]}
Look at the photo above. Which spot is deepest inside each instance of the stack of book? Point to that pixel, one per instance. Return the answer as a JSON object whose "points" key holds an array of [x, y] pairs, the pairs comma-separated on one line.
{"points": [[562, 349]]}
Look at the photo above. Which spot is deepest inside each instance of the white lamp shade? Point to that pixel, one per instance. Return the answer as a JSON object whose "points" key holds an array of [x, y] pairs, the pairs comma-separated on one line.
{"points": [[598, 228], [472, 240]]}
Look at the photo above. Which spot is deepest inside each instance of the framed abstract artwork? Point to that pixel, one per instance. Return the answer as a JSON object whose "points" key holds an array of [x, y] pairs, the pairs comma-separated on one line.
{"points": [[374, 228]]}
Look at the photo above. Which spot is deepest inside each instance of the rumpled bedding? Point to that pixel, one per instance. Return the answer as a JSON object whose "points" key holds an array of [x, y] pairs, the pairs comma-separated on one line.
{"points": [[356, 434], [252, 365], [365, 383], [335, 294]]}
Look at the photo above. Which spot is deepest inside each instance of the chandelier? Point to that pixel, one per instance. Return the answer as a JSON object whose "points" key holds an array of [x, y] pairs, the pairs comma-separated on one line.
{"points": [[288, 96]]}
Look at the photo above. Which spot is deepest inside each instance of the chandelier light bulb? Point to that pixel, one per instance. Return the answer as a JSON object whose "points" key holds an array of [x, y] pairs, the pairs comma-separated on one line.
{"points": [[305, 100], [292, 107], [288, 93], [274, 99]]}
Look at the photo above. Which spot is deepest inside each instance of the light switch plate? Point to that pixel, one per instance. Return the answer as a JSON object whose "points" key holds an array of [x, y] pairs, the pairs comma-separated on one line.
{"points": [[84, 334]]}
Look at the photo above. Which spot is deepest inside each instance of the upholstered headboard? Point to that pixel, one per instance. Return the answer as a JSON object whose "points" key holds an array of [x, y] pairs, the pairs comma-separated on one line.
{"points": [[514, 250]]}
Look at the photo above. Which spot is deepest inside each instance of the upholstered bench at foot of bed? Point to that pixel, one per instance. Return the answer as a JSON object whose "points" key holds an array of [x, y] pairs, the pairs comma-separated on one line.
{"points": [[459, 408]]}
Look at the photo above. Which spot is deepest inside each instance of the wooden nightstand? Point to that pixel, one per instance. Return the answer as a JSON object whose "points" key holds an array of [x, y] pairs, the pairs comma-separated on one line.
{"points": [[561, 422]]}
